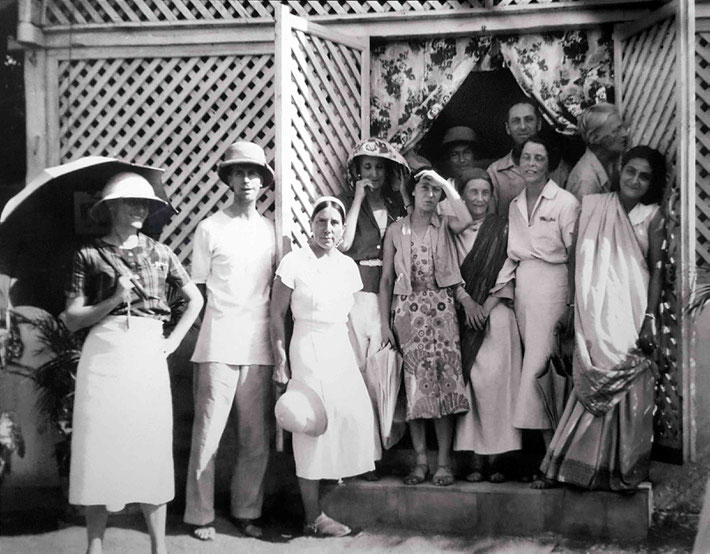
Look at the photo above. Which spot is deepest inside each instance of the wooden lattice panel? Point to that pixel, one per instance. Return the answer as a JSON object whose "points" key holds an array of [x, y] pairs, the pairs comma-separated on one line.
{"points": [[176, 113], [649, 103], [325, 107], [81, 12], [702, 147]]}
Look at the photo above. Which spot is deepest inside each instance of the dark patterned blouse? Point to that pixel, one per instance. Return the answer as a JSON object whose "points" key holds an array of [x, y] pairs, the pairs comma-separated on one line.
{"points": [[98, 265]]}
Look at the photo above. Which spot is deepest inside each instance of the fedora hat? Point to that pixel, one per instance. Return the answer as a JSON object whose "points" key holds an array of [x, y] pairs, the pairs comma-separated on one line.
{"points": [[244, 152], [301, 410], [127, 185], [460, 133]]}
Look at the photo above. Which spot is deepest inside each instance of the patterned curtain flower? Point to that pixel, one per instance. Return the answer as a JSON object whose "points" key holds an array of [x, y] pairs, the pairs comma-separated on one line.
{"points": [[413, 80], [565, 72]]}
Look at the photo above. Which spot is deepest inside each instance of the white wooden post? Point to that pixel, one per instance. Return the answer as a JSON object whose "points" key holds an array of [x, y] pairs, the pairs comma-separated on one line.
{"points": [[685, 20]]}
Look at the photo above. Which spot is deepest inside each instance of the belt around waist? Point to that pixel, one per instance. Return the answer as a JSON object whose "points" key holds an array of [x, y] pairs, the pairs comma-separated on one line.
{"points": [[371, 263]]}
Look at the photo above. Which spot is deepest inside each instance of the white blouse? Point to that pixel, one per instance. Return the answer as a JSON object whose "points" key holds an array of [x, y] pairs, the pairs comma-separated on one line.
{"points": [[322, 287]]}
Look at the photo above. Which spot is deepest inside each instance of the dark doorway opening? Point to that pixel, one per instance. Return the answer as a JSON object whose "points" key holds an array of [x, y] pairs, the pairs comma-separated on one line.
{"points": [[482, 103]]}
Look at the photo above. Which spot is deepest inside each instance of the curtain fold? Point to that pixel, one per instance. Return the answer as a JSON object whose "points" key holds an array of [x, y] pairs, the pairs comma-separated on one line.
{"points": [[413, 80]]}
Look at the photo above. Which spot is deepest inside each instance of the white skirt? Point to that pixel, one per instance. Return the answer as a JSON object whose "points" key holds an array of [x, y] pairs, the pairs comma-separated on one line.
{"points": [[122, 428], [493, 388], [322, 357]]}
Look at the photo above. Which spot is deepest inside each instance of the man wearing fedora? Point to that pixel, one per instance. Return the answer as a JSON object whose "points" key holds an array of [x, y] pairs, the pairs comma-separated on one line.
{"points": [[233, 261], [522, 122], [458, 148]]}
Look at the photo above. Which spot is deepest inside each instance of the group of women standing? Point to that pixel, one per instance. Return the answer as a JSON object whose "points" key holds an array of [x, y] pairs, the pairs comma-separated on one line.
{"points": [[471, 300]]}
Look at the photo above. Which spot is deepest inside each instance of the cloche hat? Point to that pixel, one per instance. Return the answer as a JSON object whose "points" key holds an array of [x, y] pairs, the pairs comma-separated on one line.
{"points": [[244, 152], [127, 185], [301, 410]]}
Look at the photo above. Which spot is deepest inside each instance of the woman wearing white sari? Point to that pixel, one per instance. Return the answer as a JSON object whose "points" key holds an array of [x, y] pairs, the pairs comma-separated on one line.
{"points": [[604, 438]]}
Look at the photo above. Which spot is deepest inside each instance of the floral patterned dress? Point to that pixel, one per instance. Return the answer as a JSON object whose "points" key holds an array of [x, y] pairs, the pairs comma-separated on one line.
{"points": [[428, 333]]}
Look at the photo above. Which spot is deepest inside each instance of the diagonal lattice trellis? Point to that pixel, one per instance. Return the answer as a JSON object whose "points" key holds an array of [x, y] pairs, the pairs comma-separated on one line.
{"points": [[325, 121], [176, 113], [702, 147], [81, 12], [649, 101]]}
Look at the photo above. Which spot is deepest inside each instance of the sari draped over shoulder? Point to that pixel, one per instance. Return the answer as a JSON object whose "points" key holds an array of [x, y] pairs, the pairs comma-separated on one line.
{"points": [[611, 283], [604, 438], [479, 270]]}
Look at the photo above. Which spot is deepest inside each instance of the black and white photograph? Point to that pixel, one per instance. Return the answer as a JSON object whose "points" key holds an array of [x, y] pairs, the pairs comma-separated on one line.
{"points": [[366, 275]]}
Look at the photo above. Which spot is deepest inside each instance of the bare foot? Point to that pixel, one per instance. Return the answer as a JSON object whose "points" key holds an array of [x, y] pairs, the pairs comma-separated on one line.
{"points": [[204, 533]]}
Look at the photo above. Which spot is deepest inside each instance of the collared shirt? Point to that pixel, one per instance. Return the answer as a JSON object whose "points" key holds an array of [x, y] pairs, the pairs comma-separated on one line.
{"points": [[549, 232], [588, 176], [446, 266], [235, 258], [98, 265], [508, 182], [367, 242]]}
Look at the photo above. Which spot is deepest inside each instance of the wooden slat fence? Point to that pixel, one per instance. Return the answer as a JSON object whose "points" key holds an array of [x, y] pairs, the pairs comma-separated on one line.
{"points": [[648, 98], [326, 104], [702, 147], [176, 113], [84, 12]]}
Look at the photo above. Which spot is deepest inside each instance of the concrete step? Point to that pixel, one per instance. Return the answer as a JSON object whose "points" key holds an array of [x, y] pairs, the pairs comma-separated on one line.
{"points": [[491, 509]]}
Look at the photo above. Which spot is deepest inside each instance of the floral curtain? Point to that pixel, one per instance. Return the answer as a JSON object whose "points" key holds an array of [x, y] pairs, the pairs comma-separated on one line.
{"points": [[564, 72], [412, 81]]}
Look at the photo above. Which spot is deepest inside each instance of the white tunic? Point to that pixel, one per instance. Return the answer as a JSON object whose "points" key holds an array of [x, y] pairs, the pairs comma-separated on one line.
{"points": [[321, 356], [235, 258]]}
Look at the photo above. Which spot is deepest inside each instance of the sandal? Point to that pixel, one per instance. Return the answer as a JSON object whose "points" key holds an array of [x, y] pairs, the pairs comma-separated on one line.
{"points": [[541, 482], [418, 475], [205, 532], [475, 477], [497, 477], [325, 526], [443, 477]]}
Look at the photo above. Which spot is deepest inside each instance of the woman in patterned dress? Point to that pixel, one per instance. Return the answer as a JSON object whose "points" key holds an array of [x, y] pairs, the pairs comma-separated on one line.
{"points": [[420, 278], [604, 438]]}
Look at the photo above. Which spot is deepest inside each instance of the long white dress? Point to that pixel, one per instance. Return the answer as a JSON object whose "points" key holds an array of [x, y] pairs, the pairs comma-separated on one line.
{"points": [[322, 357]]}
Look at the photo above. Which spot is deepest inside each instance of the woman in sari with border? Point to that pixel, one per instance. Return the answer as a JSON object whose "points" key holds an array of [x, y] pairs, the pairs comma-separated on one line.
{"points": [[490, 342], [605, 435]]}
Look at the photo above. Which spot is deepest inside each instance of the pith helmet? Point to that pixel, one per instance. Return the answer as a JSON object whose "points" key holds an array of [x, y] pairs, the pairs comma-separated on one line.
{"points": [[244, 152]]}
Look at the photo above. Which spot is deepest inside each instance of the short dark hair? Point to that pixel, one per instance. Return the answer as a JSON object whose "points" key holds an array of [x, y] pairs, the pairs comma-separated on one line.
{"points": [[553, 152], [525, 101], [657, 189], [323, 204]]}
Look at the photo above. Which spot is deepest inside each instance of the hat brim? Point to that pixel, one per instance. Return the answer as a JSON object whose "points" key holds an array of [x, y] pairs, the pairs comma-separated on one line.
{"points": [[224, 166], [155, 203]]}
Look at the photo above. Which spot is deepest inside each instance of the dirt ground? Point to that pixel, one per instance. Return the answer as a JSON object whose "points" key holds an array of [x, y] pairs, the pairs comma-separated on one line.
{"points": [[43, 532]]}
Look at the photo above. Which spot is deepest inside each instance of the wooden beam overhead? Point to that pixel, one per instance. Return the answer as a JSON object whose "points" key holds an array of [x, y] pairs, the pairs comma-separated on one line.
{"points": [[497, 20]]}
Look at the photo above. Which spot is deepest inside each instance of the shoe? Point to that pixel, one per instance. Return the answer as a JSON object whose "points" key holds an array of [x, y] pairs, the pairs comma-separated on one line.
{"points": [[248, 528], [475, 477], [497, 477], [325, 526]]}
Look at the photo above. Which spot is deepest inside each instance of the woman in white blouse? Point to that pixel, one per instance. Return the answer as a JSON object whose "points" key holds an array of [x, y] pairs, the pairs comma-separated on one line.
{"points": [[318, 283], [542, 221]]}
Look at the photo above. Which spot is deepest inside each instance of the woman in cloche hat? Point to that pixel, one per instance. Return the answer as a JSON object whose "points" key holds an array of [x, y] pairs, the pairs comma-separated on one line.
{"points": [[375, 174], [122, 427]]}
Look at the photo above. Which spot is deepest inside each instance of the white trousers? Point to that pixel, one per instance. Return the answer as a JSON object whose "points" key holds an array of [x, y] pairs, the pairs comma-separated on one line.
{"points": [[365, 331], [245, 393]]}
